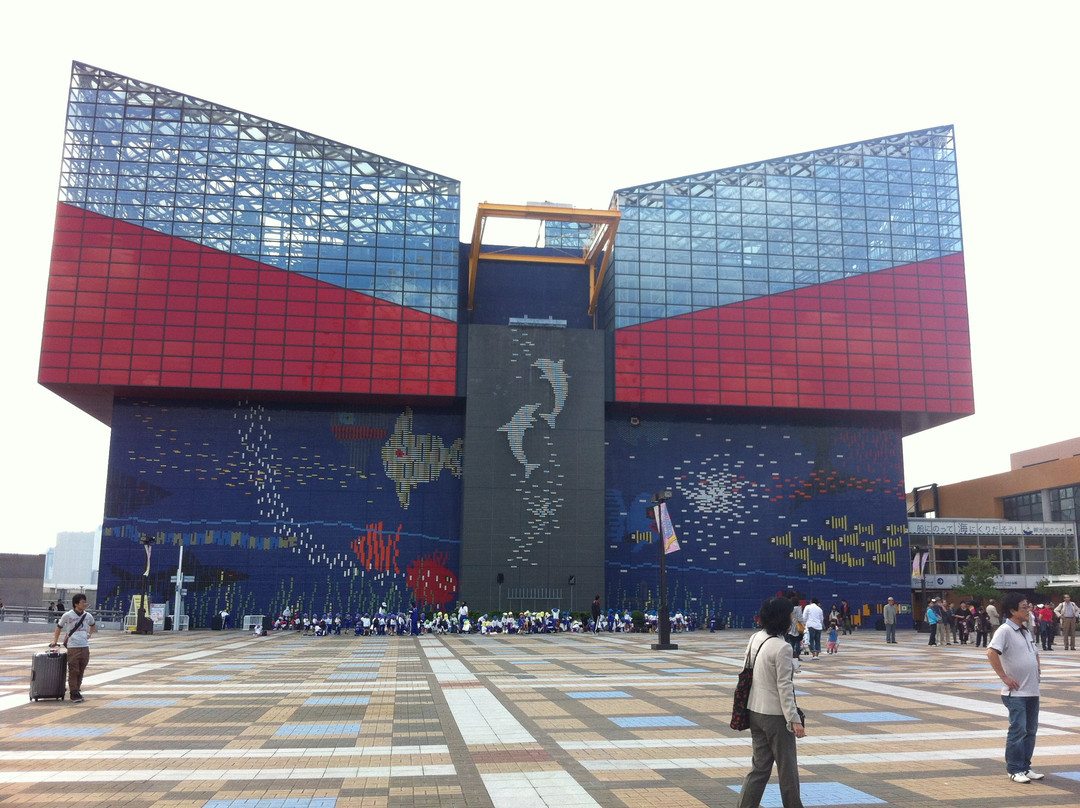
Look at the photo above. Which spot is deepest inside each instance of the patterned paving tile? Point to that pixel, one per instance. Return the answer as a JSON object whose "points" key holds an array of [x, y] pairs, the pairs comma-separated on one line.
{"points": [[445, 722], [329, 701], [632, 722], [684, 670], [822, 794], [308, 730], [871, 717], [287, 802], [143, 702], [64, 732]]}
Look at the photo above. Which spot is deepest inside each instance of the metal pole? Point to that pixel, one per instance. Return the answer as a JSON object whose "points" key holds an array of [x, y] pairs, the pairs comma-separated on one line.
{"points": [[664, 616], [922, 574], [179, 589]]}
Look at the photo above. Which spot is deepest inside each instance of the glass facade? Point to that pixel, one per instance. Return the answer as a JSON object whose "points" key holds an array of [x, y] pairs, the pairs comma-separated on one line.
{"points": [[1023, 507], [727, 236], [1018, 548], [1063, 504], [567, 235], [832, 279], [248, 186]]}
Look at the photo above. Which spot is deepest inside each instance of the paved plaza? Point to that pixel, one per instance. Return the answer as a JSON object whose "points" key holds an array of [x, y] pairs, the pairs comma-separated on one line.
{"points": [[225, 720]]}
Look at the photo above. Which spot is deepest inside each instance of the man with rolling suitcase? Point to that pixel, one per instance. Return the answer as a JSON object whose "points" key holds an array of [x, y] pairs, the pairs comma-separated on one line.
{"points": [[78, 624]]}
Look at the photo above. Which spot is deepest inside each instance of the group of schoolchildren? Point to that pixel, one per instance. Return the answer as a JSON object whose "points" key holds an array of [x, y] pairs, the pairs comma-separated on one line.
{"points": [[387, 623], [615, 622]]}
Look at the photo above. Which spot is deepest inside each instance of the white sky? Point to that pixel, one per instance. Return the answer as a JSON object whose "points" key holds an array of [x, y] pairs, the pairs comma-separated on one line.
{"points": [[567, 102]]}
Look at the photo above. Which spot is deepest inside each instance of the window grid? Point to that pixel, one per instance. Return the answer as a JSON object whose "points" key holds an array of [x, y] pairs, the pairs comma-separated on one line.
{"points": [[826, 280], [251, 187]]}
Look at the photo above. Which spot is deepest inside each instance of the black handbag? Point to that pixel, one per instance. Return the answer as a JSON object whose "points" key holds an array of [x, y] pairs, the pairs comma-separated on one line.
{"points": [[740, 712]]}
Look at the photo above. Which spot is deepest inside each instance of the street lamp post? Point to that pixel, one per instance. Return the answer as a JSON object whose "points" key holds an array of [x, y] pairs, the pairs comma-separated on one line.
{"points": [[664, 615], [144, 624], [922, 577]]}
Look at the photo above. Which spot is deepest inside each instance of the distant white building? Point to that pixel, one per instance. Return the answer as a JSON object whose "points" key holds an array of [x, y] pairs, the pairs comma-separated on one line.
{"points": [[72, 565]]}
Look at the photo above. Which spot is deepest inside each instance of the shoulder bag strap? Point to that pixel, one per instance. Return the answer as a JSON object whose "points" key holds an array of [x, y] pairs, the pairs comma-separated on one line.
{"points": [[75, 627], [749, 662]]}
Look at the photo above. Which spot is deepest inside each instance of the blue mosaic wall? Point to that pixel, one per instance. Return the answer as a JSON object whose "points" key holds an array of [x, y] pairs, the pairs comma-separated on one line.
{"points": [[326, 509], [317, 508], [758, 508]]}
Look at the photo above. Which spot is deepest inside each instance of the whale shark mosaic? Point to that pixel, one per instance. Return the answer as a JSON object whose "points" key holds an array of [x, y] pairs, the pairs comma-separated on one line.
{"points": [[268, 488]]}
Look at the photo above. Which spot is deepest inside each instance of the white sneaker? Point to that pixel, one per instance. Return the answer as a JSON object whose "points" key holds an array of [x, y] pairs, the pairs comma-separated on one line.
{"points": [[1019, 777], [1034, 775]]}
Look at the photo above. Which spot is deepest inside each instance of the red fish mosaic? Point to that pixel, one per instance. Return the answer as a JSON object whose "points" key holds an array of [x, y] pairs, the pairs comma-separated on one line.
{"points": [[430, 581]]}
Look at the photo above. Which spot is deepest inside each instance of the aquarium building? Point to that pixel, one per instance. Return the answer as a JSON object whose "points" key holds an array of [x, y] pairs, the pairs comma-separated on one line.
{"points": [[330, 391]]}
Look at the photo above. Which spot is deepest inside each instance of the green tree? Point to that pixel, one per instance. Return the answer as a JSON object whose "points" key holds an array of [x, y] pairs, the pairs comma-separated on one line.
{"points": [[1062, 562], [977, 579]]}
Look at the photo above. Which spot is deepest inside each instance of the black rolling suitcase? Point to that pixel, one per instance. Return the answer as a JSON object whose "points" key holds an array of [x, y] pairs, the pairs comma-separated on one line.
{"points": [[47, 674]]}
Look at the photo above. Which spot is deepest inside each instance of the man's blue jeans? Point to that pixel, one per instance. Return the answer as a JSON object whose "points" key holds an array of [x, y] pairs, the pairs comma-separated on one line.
{"points": [[1023, 724]]}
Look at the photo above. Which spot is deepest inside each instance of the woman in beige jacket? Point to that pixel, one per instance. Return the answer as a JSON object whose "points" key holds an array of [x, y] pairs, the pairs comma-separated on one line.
{"points": [[775, 722]]}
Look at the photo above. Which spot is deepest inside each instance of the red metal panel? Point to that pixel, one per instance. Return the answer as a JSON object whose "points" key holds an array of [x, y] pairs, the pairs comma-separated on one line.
{"points": [[144, 303], [858, 329]]}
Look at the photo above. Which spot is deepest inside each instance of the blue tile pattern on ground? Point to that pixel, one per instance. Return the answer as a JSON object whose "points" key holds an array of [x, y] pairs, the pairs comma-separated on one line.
{"points": [[631, 722], [821, 794], [599, 694], [143, 702], [352, 676], [320, 701], [65, 732], [359, 665], [204, 678], [684, 670], [307, 730], [279, 802], [1070, 775], [869, 718]]}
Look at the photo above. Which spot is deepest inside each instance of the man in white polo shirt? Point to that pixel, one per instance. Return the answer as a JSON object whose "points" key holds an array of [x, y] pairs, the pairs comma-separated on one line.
{"points": [[1067, 612], [1015, 659]]}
